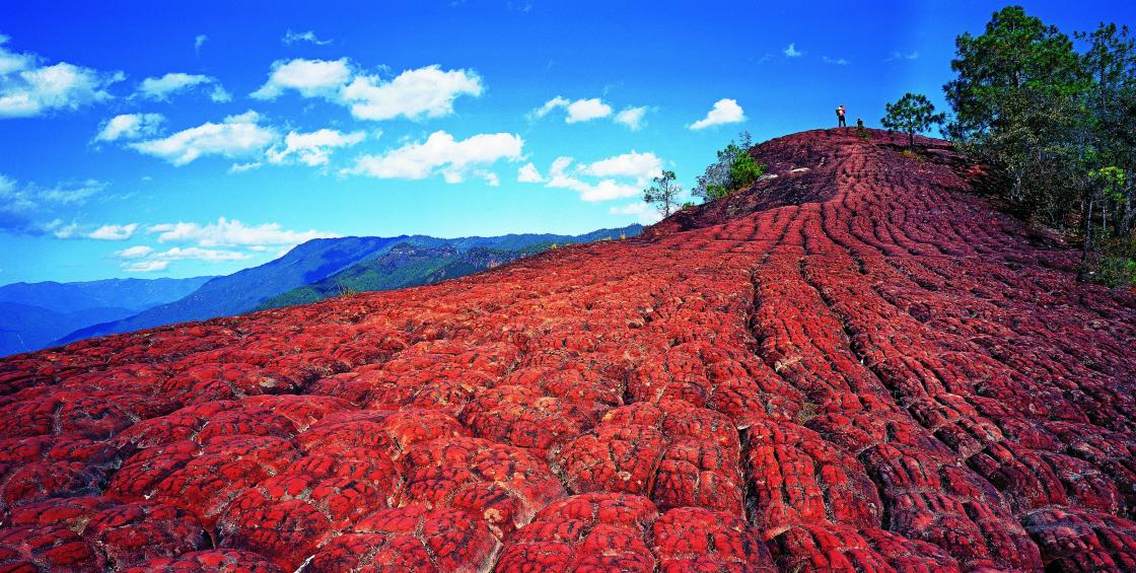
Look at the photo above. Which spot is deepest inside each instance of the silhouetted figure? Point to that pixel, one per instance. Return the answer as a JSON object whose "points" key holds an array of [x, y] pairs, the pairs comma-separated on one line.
{"points": [[860, 123], [840, 116]]}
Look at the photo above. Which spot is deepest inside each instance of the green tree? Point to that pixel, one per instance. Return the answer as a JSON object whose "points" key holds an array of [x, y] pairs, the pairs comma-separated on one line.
{"points": [[1059, 124], [733, 169], [911, 114], [1110, 62], [663, 193], [1017, 104]]}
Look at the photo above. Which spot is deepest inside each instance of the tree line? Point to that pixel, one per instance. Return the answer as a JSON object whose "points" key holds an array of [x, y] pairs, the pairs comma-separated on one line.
{"points": [[1057, 121]]}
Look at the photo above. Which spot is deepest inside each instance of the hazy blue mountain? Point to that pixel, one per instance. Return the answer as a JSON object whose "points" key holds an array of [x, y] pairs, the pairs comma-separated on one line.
{"points": [[244, 290], [425, 260], [393, 262], [137, 294], [34, 315]]}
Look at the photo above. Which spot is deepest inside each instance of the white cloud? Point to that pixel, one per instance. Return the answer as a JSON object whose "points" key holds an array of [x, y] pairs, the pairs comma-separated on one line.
{"points": [[314, 148], [61, 231], [791, 51], [725, 111], [142, 258], [114, 232], [135, 252], [615, 177], [632, 117], [199, 41], [312, 78], [73, 193], [424, 92], [130, 126], [145, 266], [220, 95], [243, 167], [291, 37], [554, 103], [641, 210], [229, 233], [160, 89], [641, 166], [834, 61], [897, 55], [490, 177], [199, 254], [28, 89], [24, 208], [528, 173], [587, 110], [440, 153], [606, 189], [237, 136], [577, 111]]}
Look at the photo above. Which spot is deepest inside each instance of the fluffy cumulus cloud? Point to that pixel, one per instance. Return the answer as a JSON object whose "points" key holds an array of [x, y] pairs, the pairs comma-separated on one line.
{"points": [[114, 232], [161, 88], [312, 78], [528, 173], [588, 109], [237, 136], [313, 148], [442, 154], [640, 166], [575, 111], [725, 111], [616, 177], [130, 126], [310, 37], [425, 92], [231, 233], [28, 88], [631, 117], [791, 51]]}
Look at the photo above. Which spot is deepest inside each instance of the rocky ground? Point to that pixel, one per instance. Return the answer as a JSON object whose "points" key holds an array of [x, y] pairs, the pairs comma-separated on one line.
{"points": [[857, 365]]}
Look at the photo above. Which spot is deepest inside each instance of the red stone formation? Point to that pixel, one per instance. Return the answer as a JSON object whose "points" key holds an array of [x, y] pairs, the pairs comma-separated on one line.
{"points": [[856, 365]]}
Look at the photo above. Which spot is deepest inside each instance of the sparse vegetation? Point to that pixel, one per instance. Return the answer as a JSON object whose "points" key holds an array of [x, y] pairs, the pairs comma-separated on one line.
{"points": [[735, 168], [663, 193], [912, 114], [1059, 125]]}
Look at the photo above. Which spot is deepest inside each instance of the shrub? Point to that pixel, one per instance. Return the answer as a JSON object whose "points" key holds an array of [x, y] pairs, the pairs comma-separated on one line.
{"points": [[735, 168]]}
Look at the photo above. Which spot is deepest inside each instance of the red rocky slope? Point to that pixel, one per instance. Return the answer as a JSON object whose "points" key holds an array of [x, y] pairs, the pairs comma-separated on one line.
{"points": [[856, 365]]}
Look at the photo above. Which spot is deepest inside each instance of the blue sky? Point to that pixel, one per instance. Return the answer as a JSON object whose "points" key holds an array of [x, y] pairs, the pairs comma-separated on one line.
{"points": [[178, 139]]}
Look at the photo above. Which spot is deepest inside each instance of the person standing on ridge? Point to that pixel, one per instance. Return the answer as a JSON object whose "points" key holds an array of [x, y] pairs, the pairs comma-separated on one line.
{"points": [[840, 116]]}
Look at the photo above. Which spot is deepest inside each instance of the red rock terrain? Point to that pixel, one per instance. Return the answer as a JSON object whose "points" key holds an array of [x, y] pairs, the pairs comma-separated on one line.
{"points": [[856, 365]]}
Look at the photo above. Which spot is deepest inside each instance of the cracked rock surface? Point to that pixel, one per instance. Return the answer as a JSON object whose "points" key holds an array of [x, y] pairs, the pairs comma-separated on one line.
{"points": [[857, 365]]}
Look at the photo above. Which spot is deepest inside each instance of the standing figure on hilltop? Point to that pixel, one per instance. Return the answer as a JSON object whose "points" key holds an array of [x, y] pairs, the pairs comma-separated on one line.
{"points": [[840, 116]]}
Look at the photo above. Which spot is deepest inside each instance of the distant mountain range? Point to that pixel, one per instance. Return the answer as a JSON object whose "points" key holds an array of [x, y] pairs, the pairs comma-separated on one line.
{"points": [[322, 268], [34, 315]]}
